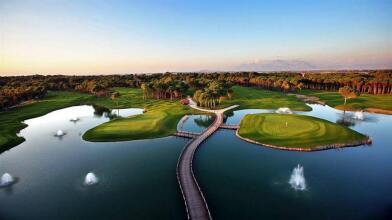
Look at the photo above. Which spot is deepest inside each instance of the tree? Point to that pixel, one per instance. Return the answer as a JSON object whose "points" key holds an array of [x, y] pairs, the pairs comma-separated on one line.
{"points": [[347, 92], [144, 87], [300, 86], [230, 93], [115, 96]]}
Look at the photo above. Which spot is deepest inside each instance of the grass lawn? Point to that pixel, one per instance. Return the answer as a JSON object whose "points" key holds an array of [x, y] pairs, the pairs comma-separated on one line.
{"points": [[11, 121], [256, 98], [301, 131], [160, 120], [362, 102]]}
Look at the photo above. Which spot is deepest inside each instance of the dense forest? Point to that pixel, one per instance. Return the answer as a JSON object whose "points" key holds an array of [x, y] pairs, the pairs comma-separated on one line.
{"points": [[208, 89]]}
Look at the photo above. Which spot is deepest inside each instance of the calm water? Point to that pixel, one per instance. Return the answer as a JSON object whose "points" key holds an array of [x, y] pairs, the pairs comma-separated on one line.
{"points": [[196, 123], [137, 178], [246, 181], [240, 180]]}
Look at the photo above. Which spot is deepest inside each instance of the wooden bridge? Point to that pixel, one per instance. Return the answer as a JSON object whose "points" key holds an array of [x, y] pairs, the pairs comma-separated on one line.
{"points": [[232, 127], [186, 134], [195, 203]]}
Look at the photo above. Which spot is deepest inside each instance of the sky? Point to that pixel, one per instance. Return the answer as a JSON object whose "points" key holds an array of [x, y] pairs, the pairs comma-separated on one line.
{"points": [[118, 37]]}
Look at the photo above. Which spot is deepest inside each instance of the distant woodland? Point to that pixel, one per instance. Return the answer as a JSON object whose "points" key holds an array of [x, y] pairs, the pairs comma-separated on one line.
{"points": [[207, 88]]}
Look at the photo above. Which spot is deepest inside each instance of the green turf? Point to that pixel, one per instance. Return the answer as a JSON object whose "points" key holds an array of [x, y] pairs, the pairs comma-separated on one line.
{"points": [[301, 131], [254, 98], [160, 120], [334, 99], [11, 122]]}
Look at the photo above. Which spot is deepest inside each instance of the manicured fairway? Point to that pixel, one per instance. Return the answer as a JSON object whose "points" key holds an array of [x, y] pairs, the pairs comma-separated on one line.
{"points": [[162, 116], [256, 98], [295, 131], [160, 120]]}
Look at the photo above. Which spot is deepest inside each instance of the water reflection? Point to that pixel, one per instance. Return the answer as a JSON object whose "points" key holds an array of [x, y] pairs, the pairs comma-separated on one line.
{"points": [[52, 172], [345, 119], [195, 123], [100, 111], [234, 174], [342, 181]]}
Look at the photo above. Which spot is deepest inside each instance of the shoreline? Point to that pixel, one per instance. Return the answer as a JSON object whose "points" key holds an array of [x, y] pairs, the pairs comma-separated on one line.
{"points": [[182, 121], [308, 99], [369, 110], [368, 141], [316, 100]]}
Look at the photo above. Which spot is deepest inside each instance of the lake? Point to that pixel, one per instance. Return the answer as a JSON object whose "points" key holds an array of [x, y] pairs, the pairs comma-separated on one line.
{"points": [[137, 179]]}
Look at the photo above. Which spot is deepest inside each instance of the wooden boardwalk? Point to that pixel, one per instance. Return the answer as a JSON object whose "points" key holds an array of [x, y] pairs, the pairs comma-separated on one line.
{"points": [[232, 127], [195, 203], [186, 134]]}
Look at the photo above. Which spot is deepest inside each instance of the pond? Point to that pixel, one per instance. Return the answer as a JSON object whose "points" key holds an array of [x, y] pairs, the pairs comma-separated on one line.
{"points": [[195, 123], [137, 179], [246, 181]]}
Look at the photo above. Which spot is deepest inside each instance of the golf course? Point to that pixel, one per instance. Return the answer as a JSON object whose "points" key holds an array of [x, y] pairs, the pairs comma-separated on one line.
{"points": [[159, 120], [297, 132], [161, 117]]}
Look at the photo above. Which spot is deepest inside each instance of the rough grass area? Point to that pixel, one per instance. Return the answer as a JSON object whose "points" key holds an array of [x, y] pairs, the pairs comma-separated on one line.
{"points": [[160, 120], [300, 132], [255, 98], [11, 122], [362, 102]]}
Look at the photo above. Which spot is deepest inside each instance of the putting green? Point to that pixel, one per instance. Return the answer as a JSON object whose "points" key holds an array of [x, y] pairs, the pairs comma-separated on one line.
{"points": [[297, 131]]}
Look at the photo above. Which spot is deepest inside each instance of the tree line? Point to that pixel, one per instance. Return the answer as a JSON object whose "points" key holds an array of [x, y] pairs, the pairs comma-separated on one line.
{"points": [[208, 89], [371, 82], [214, 93]]}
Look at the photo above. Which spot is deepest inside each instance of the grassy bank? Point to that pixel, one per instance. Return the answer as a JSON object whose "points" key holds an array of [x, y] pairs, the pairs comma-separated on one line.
{"points": [[296, 131], [11, 122], [256, 98], [362, 102], [160, 120]]}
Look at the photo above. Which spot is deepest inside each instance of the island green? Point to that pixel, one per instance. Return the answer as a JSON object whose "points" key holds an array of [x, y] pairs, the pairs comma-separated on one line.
{"points": [[298, 132]]}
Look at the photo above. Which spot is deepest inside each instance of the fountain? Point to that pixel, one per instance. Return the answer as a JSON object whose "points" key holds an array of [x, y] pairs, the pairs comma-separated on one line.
{"points": [[297, 179], [284, 110], [6, 180], [60, 133], [74, 119], [90, 179], [359, 116]]}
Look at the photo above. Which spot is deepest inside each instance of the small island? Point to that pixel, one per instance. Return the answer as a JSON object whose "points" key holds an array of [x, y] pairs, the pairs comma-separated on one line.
{"points": [[297, 132]]}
